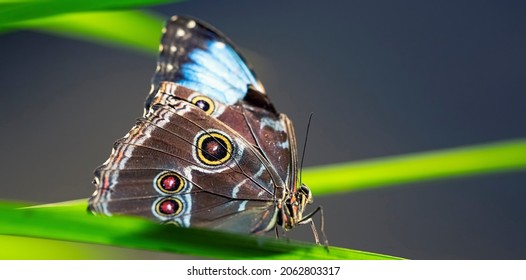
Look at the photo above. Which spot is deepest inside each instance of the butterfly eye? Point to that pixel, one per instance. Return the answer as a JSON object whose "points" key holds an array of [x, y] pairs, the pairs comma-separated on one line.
{"points": [[213, 148], [204, 103], [307, 194], [169, 207], [170, 182]]}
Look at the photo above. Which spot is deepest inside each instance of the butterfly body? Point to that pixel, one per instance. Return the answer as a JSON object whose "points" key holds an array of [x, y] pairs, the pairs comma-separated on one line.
{"points": [[210, 150]]}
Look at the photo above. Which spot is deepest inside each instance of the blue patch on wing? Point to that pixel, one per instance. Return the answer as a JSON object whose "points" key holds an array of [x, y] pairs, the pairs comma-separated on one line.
{"points": [[217, 72], [197, 56]]}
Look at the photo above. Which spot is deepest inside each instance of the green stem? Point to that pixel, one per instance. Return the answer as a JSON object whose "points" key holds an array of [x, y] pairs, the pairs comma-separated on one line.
{"points": [[464, 161], [72, 223]]}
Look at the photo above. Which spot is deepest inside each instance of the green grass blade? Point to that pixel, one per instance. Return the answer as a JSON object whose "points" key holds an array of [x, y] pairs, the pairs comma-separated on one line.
{"points": [[73, 223], [135, 29], [16, 11], [26, 248], [464, 161]]}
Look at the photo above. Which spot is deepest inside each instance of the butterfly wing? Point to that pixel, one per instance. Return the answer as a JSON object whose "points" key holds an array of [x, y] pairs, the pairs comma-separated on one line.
{"points": [[178, 164], [211, 150], [197, 56], [270, 132]]}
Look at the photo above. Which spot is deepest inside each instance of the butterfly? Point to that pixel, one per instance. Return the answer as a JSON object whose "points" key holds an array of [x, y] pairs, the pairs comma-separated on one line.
{"points": [[211, 150]]}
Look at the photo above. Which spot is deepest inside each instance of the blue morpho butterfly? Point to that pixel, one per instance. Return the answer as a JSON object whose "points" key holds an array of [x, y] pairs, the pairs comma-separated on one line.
{"points": [[211, 150]]}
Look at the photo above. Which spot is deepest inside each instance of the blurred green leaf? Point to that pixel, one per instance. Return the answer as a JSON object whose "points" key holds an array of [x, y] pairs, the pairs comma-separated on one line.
{"points": [[24, 248], [71, 222], [389, 171], [15, 11], [138, 30]]}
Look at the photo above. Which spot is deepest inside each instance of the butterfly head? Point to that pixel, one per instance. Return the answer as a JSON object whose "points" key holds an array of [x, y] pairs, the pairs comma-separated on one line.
{"points": [[305, 196], [295, 204]]}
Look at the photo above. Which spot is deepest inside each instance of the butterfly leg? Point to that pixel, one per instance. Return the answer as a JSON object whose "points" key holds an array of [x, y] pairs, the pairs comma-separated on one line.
{"points": [[308, 219], [282, 235]]}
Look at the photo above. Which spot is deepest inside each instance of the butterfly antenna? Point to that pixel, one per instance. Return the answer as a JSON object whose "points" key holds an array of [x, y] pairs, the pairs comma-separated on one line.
{"points": [[305, 144]]}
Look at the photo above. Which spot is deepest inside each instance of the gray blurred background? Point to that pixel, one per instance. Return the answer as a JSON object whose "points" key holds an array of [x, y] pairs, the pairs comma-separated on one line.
{"points": [[382, 78]]}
